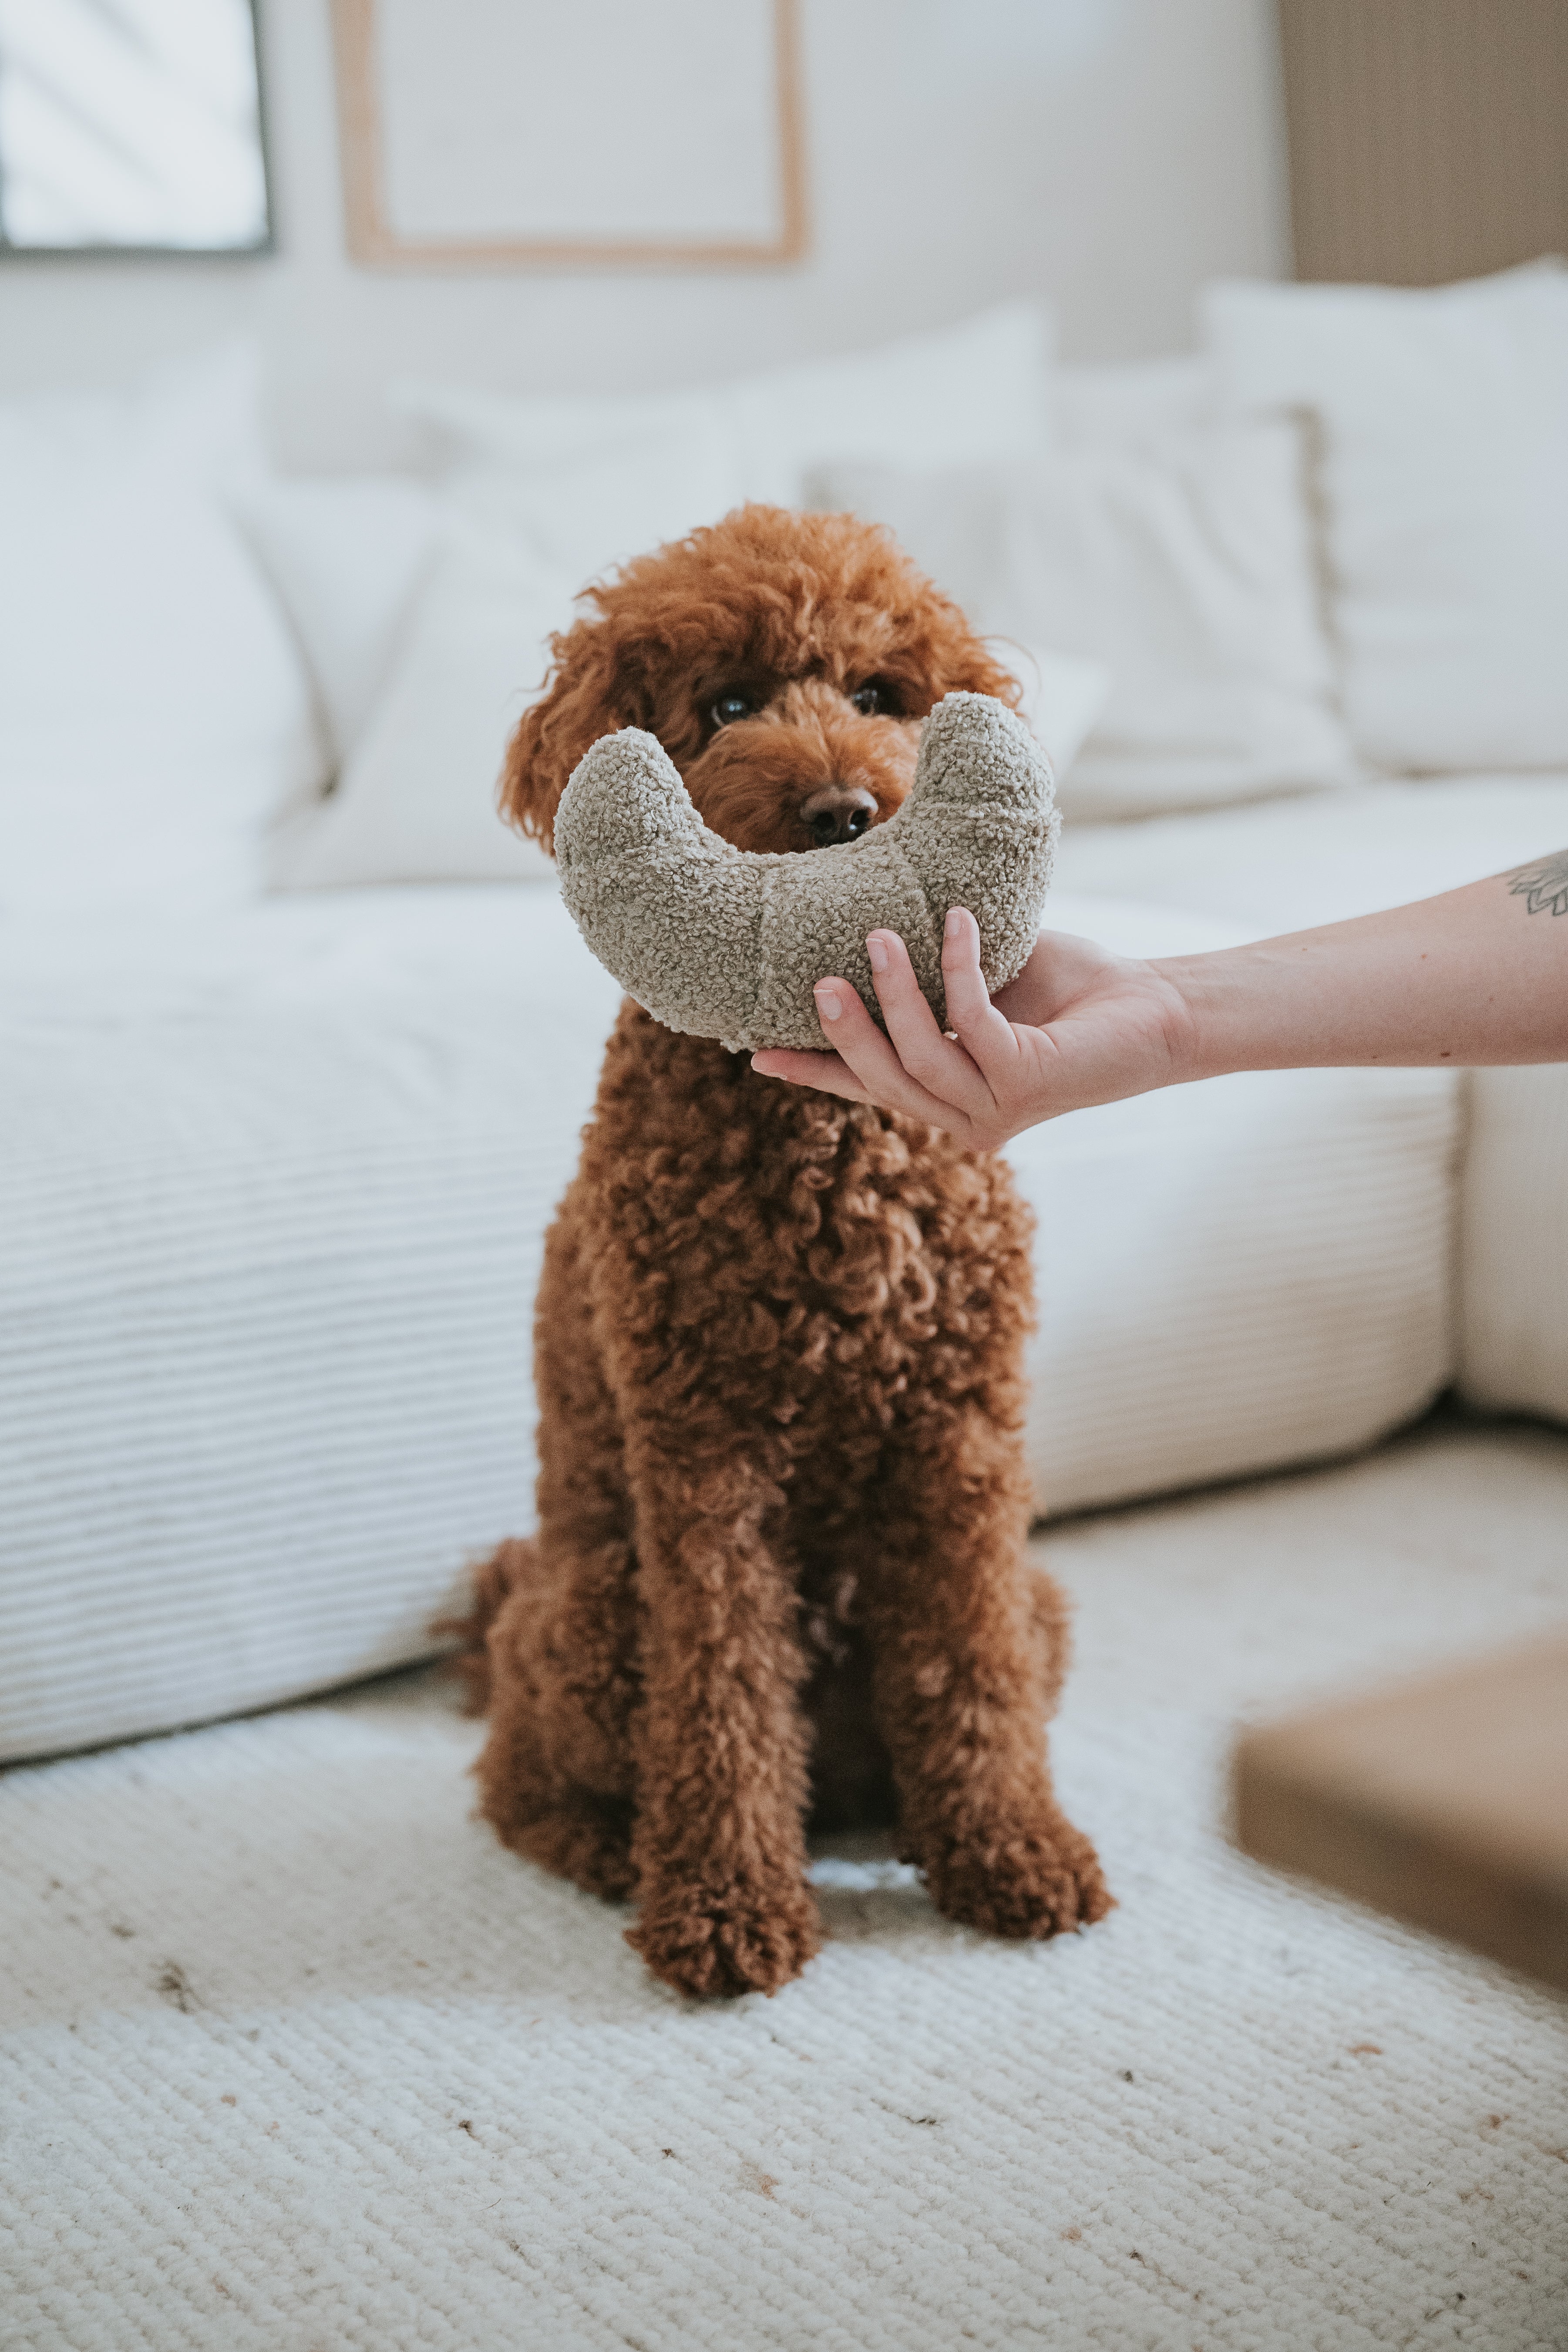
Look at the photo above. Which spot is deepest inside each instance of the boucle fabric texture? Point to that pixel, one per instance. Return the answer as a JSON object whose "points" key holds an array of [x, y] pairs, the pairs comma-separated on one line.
{"points": [[297, 2058], [722, 942]]}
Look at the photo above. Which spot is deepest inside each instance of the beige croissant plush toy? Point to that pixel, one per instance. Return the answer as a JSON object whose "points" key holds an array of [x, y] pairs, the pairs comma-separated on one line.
{"points": [[722, 942]]}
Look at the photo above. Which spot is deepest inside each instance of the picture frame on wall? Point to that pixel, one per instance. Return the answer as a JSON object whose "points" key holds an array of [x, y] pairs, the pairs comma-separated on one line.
{"points": [[510, 133]]}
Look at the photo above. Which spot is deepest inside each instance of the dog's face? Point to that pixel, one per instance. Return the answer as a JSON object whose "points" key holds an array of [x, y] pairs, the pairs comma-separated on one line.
{"points": [[784, 661]]}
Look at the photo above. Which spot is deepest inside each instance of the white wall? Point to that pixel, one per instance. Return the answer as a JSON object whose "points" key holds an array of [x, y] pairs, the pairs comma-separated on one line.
{"points": [[1107, 155]]}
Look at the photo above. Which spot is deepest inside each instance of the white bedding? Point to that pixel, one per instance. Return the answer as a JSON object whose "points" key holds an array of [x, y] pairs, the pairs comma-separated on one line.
{"points": [[270, 1227]]}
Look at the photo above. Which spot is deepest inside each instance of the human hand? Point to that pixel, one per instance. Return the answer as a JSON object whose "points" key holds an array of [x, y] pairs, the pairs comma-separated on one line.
{"points": [[1078, 1027]]}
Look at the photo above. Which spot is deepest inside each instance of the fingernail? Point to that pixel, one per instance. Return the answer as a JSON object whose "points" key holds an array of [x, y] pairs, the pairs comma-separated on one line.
{"points": [[954, 922], [877, 953], [827, 1003]]}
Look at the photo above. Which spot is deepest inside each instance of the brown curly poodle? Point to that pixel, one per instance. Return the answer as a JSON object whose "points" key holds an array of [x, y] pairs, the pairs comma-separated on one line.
{"points": [[780, 1569]]}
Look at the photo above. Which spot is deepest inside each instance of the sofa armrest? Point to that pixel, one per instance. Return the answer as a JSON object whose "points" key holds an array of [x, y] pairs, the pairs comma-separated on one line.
{"points": [[1513, 1244]]}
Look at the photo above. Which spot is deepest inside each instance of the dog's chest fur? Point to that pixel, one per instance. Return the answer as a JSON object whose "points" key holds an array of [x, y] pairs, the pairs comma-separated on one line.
{"points": [[820, 1267]]}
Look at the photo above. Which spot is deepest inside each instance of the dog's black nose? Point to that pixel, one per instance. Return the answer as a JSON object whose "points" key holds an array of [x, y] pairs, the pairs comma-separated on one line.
{"points": [[837, 813]]}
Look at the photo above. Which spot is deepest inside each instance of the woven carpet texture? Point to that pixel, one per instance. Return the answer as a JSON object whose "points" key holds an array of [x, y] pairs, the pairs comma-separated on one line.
{"points": [[294, 2057]]}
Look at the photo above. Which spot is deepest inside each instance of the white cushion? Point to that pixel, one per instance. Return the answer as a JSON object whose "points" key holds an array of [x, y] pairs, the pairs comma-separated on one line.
{"points": [[1132, 404], [1064, 695], [154, 715], [269, 1235], [1298, 862], [1322, 858], [1444, 424], [269, 1229], [972, 391], [1237, 1275], [416, 800], [540, 497], [584, 513], [346, 558], [1513, 1243], [1184, 563]]}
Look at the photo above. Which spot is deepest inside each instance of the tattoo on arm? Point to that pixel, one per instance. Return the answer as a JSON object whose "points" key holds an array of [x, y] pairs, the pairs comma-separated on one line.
{"points": [[1543, 885]]}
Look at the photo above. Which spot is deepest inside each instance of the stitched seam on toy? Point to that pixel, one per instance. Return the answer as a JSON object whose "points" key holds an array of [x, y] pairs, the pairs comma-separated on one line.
{"points": [[923, 896], [759, 926]]}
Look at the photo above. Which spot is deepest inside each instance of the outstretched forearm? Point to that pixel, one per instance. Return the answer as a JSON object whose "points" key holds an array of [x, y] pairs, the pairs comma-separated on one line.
{"points": [[1479, 975]]}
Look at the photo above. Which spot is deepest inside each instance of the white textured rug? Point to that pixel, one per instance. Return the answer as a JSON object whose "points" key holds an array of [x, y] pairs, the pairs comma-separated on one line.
{"points": [[296, 2058]]}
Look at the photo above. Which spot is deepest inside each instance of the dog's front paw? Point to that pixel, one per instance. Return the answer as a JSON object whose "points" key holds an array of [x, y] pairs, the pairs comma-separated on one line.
{"points": [[709, 1941], [1026, 1885]]}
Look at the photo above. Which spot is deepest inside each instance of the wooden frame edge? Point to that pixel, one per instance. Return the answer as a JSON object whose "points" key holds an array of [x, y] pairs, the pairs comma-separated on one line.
{"points": [[371, 241]]}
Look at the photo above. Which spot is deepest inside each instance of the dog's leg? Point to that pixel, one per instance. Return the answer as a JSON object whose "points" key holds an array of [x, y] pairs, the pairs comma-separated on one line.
{"points": [[968, 1652], [556, 1771], [721, 1743]]}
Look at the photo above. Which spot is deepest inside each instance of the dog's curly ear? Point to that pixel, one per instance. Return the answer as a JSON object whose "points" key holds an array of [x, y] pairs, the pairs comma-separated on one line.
{"points": [[589, 692]]}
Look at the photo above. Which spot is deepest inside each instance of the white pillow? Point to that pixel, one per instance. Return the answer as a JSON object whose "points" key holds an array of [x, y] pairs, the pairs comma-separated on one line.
{"points": [[1133, 404], [976, 391], [1185, 566], [346, 558], [584, 513], [417, 801], [1063, 696], [1444, 427], [154, 715]]}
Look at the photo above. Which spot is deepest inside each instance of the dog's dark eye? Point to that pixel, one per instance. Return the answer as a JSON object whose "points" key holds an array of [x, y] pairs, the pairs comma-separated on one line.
{"points": [[729, 708], [868, 699]]}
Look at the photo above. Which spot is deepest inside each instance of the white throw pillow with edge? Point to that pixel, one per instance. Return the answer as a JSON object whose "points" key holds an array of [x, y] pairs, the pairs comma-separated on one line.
{"points": [[416, 797], [416, 800], [967, 393], [586, 514], [1442, 419], [1063, 696], [346, 557], [154, 716], [1183, 565], [1132, 404]]}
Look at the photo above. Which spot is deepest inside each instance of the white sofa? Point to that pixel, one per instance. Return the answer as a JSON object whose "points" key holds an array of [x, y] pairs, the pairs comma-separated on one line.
{"points": [[1294, 863], [280, 1161]]}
